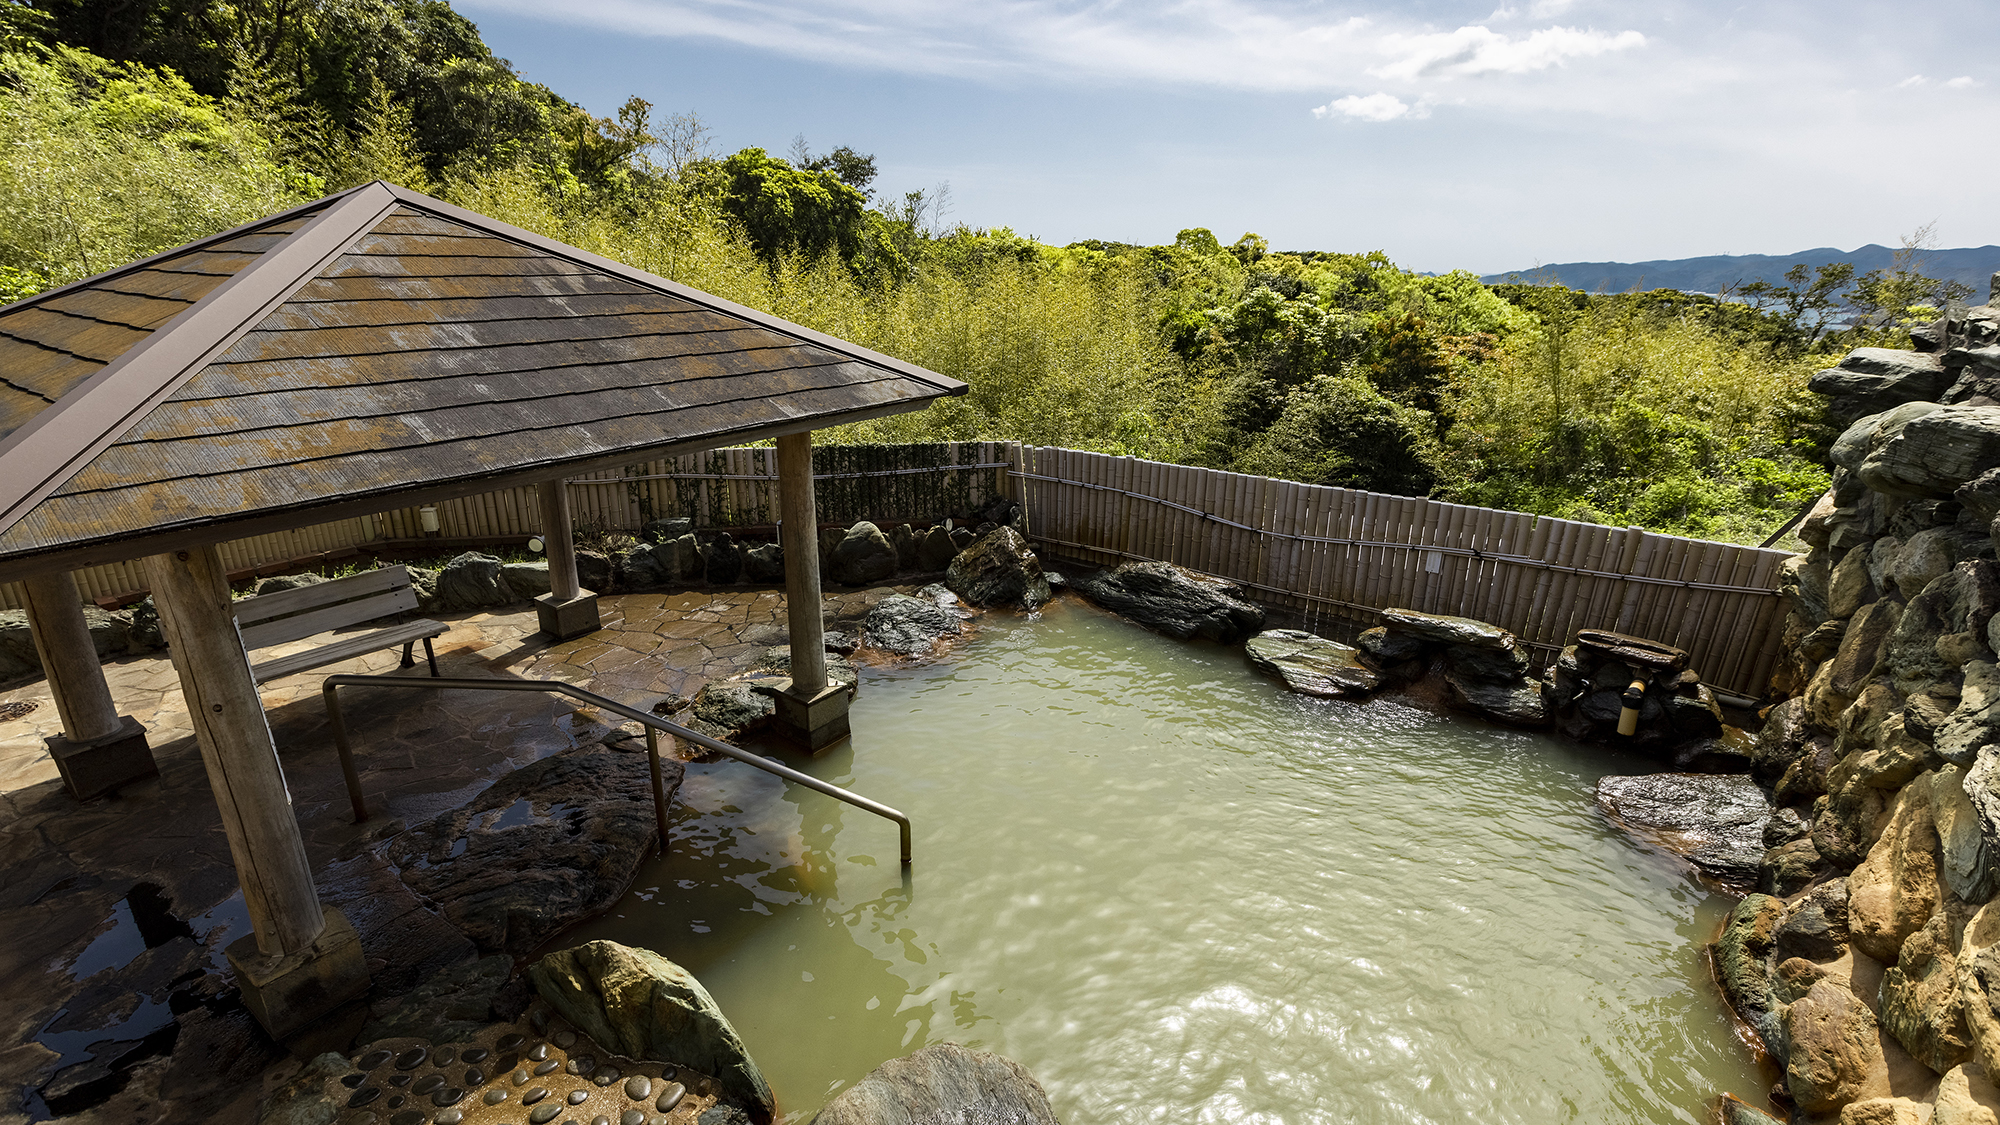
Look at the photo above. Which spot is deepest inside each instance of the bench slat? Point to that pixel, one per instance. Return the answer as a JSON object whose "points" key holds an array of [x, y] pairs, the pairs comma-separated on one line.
{"points": [[346, 648], [303, 625], [263, 607]]}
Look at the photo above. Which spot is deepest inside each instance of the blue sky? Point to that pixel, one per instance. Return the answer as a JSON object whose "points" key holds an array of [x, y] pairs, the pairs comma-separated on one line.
{"points": [[1451, 135]]}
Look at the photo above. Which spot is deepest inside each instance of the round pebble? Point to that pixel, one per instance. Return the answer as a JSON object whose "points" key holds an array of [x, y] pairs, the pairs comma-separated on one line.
{"points": [[578, 1097], [443, 1056], [544, 1114], [520, 1078], [600, 1119], [510, 1041], [447, 1097], [475, 1054], [608, 1075], [534, 1095], [495, 1097], [474, 1076], [450, 1117], [538, 1052], [657, 1119], [582, 1064], [638, 1087], [373, 1059], [408, 1117], [670, 1096], [353, 1080], [395, 1101], [565, 1039], [427, 1083], [363, 1096], [632, 1117], [399, 1080], [412, 1058]]}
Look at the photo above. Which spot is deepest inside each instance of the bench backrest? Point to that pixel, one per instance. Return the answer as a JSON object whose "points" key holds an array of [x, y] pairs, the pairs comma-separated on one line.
{"points": [[290, 615]]}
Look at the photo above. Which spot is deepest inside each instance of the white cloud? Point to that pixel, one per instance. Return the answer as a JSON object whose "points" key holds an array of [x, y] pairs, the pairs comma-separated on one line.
{"points": [[1474, 51], [1964, 82], [1373, 107], [1912, 80]]}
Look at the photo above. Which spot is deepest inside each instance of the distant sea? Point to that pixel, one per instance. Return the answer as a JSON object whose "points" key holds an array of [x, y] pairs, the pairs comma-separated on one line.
{"points": [[1973, 266]]}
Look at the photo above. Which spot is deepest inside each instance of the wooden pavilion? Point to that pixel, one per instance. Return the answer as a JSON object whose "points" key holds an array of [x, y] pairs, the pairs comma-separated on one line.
{"points": [[371, 350]]}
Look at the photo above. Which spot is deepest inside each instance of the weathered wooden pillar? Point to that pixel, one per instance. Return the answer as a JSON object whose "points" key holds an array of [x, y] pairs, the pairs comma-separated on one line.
{"points": [[809, 711], [99, 749], [302, 961], [567, 610]]}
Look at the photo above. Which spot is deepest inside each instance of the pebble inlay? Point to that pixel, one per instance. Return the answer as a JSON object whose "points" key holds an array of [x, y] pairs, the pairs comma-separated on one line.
{"points": [[551, 1087]]}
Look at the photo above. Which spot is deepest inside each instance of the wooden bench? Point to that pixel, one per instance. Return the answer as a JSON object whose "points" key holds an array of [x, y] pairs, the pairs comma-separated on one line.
{"points": [[293, 615]]}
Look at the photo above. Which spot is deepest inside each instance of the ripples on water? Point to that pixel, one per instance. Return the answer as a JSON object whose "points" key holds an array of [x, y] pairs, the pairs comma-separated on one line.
{"points": [[1176, 892]]}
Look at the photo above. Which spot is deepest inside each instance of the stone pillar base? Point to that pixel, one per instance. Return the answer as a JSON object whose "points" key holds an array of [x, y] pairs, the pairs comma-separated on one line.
{"points": [[292, 993], [572, 618], [94, 768], [815, 722]]}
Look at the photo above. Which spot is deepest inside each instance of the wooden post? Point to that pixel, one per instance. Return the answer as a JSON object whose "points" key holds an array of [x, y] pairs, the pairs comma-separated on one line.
{"points": [[99, 749], [556, 539], [801, 543], [567, 610], [83, 699], [192, 593]]}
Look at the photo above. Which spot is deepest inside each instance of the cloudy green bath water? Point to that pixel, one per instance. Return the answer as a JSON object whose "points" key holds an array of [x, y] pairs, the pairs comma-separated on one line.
{"points": [[1177, 893]]}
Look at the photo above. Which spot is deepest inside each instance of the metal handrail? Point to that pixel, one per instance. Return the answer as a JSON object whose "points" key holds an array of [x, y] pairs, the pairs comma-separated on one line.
{"points": [[653, 724]]}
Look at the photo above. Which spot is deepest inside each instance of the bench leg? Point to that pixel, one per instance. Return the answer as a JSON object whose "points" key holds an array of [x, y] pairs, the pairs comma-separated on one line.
{"points": [[410, 660], [432, 656]]}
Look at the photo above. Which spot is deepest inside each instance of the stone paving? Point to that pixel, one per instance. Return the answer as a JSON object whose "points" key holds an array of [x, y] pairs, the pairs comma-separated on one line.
{"points": [[114, 995]]}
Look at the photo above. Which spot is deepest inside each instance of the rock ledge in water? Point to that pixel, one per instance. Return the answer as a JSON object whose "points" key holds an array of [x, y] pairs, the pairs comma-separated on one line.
{"points": [[1309, 664], [1178, 602], [943, 1083], [1714, 821]]}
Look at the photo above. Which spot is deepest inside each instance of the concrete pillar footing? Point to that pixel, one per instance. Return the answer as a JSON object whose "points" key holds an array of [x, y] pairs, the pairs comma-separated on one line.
{"points": [[572, 617], [816, 721], [292, 992], [97, 766]]}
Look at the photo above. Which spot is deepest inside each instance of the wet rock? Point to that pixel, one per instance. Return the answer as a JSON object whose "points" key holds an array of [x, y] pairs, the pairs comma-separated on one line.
{"points": [[1815, 926], [722, 560], [864, 557], [764, 563], [1443, 630], [1500, 665], [935, 551], [962, 537], [777, 661], [1388, 648], [909, 626], [451, 1005], [1789, 867], [1785, 826], [525, 579], [1742, 963], [1309, 664], [942, 1083], [1780, 742], [1714, 821], [1518, 702], [1835, 1056], [1895, 890], [1732, 1110], [733, 706], [999, 569], [1921, 1004], [303, 1099], [1174, 600], [638, 1003], [471, 581], [218, 1050], [545, 845], [1966, 1096]]}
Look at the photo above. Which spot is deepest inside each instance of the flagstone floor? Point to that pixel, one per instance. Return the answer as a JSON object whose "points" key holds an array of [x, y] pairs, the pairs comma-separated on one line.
{"points": [[116, 911]]}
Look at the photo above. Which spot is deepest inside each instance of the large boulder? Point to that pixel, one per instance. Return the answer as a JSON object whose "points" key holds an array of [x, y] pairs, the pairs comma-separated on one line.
{"points": [[639, 1004], [999, 569], [909, 626], [1931, 455], [1966, 1096], [525, 579], [733, 706], [1174, 600], [1443, 630], [546, 845], [1835, 1049], [722, 560], [471, 581], [906, 542], [935, 550], [1839, 680], [1895, 890], [1975, 722], [1968, 849], [1921, 1004], [1520, 701], [943, 1084], [1743, 964], [1714, 821], [864, 557], [1309, 664], [1871, 380], [764, 563]]}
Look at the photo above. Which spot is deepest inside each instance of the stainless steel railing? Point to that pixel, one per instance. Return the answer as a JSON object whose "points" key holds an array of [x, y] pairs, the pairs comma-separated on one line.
{"points": [[653, 724]]}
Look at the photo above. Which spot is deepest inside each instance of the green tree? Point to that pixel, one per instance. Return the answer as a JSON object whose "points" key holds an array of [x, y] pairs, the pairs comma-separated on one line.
{"points": [[786, 210]]}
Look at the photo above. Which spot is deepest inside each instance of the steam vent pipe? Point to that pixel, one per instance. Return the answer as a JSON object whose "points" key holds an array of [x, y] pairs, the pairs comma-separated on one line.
{"points": [[1628, 719]]}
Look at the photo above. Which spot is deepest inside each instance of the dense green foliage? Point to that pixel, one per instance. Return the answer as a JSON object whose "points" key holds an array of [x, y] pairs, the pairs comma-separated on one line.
{"points": [[134, 127]]}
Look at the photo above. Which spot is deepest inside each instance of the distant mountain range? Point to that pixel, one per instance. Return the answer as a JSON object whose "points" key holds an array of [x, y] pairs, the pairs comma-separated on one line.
{"points": [[1973, 265]]}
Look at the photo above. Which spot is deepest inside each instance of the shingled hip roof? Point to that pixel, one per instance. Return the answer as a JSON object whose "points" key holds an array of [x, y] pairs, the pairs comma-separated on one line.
{"points": [[372, 350]]}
